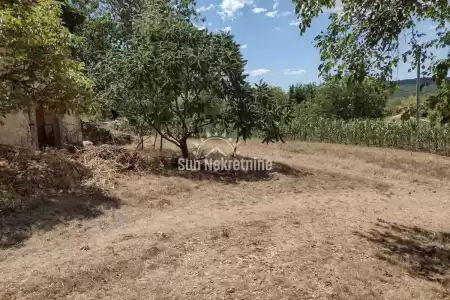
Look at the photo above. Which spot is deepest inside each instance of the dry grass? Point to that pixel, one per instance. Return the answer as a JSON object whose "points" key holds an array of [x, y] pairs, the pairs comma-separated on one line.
{"points": [[405, 161], [332, 222]]}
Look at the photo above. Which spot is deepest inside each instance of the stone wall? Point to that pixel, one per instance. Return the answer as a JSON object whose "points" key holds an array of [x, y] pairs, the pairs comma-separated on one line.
{"points": [[15, 130], [19, 129], [70, 129]]}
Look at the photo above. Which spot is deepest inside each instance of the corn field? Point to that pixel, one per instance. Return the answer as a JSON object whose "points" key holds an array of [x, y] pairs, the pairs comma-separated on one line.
{"points": [[373, 133]]}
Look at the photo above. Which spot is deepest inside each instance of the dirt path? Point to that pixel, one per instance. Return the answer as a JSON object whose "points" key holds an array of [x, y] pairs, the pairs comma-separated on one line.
{"points": [[336, 222]]}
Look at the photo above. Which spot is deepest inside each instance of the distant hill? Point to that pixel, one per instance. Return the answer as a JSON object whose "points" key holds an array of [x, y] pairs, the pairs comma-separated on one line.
{"points": [[407, 87]]}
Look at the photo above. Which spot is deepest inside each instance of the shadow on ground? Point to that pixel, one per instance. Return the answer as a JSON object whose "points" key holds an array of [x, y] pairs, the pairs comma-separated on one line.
{"points": [[423, 253], [39, 190], [17, 226], [169, 166]]}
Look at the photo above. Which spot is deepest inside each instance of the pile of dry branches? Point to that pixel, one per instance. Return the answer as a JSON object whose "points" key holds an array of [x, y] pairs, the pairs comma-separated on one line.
{"points": [[106, 161], [27, 174]]}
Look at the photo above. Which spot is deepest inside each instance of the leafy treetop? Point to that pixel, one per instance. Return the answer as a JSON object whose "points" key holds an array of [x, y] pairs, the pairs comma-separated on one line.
{"points": [[364, 38], [37, 66]]}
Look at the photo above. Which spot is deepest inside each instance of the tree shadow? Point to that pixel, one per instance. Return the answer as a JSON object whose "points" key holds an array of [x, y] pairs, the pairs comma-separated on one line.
{"points": [[170, 166], [425, 254], [17, 226], [39, 190]]}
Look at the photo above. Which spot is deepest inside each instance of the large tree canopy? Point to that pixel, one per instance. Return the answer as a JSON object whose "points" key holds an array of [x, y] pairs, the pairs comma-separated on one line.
{"points": [[299, 93], [37, 65], [364, 38], [165, 72], [344, 99]]}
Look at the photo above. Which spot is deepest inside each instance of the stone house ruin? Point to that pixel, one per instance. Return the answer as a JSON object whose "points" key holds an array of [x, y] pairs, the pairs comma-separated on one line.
{"points": [[20, 129]]}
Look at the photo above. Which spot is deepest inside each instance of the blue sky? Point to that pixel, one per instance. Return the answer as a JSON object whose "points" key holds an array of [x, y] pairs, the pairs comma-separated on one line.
{"points": [[270, 38]]}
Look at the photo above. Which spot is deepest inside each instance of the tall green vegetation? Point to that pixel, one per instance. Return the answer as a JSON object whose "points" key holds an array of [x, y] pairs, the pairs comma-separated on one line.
{"points": [[269, 112], [340, 98], [299, 93], [372, 133], [344, 99]]}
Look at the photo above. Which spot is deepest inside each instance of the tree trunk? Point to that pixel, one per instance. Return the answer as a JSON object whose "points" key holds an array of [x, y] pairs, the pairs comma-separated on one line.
{"points": [[40, 127], [184, 148], [140, 145], [160, 143], [154, 142], [235, 146]]}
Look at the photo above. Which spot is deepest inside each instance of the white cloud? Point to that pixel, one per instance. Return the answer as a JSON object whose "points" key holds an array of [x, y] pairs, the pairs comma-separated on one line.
{"points": [[334, 9], [200, 27], [433, 27], [230, 8], [286, 13], [205, 8], [244, 46], [276, 3], [337, 7], [226, 29], [258, 10], [294, 23], [276, 29], [272, 14], [294, 72], [258, 72]]}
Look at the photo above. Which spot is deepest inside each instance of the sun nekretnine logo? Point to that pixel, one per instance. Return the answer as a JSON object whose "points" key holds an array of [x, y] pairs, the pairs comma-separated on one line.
{"points": [[219, 153], [215, 144]]}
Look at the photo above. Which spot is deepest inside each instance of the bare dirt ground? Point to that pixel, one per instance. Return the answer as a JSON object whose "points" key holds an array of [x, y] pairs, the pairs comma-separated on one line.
{"points": [[334, 222]]}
